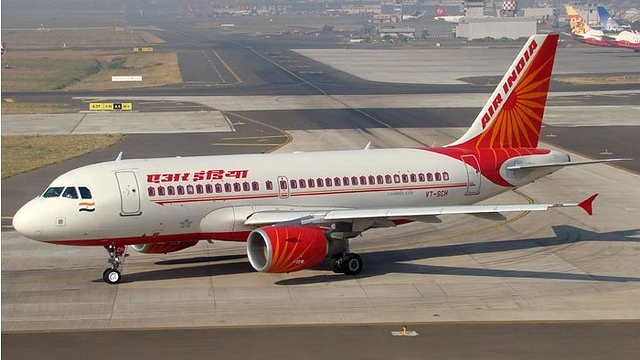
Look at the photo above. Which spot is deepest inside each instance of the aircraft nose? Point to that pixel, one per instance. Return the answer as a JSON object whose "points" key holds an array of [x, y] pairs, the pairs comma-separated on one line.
{"points": [[27, 222]]}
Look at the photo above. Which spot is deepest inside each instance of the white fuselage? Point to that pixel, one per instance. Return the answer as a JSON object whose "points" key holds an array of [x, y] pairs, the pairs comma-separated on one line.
{"points": [[209, 197]]}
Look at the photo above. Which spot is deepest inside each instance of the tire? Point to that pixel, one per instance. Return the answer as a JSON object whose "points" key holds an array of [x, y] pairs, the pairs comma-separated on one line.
{"points": [[352, 264], [111, 276]]}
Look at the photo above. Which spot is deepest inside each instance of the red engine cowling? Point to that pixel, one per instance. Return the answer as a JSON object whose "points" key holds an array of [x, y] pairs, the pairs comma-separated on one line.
{"points": [[163, 248], [286, 249]]}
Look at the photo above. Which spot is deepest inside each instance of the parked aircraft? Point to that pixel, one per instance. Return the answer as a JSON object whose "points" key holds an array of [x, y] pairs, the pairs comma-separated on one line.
{"points": [[415, 15], [629, 39], [294, 210], [607, 23], [441, 14], [582, 32]]}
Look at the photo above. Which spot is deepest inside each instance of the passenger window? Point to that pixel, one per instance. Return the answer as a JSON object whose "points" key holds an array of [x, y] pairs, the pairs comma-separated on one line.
{"points": [[53, 192], [151, 191], [70, 193], [85, 193]]}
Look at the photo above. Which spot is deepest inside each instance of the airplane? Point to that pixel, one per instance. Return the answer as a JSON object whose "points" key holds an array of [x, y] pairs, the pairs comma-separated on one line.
{"points": [[629, 39], [441, 14], [582, 32], [607, 23], [415, 15], [294, 210]]}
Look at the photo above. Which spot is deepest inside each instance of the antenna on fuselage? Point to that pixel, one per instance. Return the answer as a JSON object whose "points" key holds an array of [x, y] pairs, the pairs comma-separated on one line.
{"points": [[119, 156], [368, 146]]}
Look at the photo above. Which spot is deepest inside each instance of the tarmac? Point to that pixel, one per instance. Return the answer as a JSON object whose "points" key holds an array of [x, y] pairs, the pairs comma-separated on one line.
{"points": [[558, 265]]}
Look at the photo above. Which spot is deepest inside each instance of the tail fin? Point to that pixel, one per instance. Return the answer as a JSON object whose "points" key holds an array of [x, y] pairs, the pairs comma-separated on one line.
{"points": [[512, 117], [440, 11], [606, 21], [576, 22]]}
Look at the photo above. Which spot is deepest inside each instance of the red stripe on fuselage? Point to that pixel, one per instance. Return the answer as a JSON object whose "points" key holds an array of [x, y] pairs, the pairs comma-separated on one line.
{"points": [[148, 239], [490, 160]]}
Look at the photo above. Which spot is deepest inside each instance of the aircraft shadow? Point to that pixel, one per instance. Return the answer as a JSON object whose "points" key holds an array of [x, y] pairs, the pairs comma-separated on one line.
{"points": [[394, 261], [205, 270]]}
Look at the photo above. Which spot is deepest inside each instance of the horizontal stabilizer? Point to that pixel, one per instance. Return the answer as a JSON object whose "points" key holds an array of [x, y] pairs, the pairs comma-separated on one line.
{"points": [[561, 164]]}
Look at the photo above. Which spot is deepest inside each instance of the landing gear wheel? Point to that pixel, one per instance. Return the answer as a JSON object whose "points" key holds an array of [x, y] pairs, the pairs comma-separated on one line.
{"points": [[112, 276], [351, 264], [116, 258]]}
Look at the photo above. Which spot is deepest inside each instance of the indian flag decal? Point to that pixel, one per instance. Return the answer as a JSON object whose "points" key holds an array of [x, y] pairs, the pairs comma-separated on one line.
{"points": [[87, 206]]}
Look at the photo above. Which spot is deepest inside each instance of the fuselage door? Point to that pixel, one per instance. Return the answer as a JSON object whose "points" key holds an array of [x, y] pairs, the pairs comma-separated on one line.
{"points": [[473, 174], [283, 187], [129, 193]]}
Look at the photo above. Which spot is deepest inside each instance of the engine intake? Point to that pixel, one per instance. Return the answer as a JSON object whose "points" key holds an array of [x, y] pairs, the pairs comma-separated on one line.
{"points": [[287, 249]]}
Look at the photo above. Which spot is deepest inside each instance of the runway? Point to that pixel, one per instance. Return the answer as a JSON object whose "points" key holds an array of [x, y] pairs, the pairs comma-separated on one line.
{"points": [[556, 284]]}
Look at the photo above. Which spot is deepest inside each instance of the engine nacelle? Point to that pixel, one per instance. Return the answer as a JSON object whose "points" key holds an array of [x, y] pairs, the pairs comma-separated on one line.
{"points": [[287, 249], [163, 248]]}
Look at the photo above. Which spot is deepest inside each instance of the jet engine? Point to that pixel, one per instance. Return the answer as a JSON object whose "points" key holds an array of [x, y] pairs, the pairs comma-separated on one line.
{"points": [[163, 248], [286, 249]]}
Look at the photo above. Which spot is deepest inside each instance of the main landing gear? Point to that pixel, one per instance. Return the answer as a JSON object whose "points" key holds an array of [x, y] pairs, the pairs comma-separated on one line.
{"points": [[347, 263], [116, 257]]}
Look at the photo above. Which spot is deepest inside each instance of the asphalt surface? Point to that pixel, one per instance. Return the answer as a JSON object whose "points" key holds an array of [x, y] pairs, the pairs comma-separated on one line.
{"points": [[268, 70]]}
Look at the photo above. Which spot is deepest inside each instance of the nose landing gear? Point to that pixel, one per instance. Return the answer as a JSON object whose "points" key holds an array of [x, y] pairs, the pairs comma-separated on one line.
{"points": [[116, 258]]}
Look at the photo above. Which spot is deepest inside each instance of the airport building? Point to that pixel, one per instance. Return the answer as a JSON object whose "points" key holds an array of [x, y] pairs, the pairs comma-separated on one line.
{"points": [[476, 25], [497, 28]]}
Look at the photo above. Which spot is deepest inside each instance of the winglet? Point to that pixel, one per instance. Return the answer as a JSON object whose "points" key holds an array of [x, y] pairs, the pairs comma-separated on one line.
{"points": [[587, 204]]}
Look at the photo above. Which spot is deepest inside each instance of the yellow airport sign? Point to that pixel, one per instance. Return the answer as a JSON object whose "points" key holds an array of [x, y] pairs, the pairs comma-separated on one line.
{"points": [[96, 106], [110, 106]]}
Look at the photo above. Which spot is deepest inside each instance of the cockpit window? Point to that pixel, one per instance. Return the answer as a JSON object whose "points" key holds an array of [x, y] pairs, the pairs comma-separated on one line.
{"points": [[70, 192], [54, 191], [85, 193]]}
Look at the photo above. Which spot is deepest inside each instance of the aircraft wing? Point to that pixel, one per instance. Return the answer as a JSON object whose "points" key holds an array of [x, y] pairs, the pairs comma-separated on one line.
{"points": [[282, 218]]}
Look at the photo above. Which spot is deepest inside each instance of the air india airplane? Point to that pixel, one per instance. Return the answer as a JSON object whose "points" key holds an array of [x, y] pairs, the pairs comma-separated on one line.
{"points": [[294, 210], [441, 14]]}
